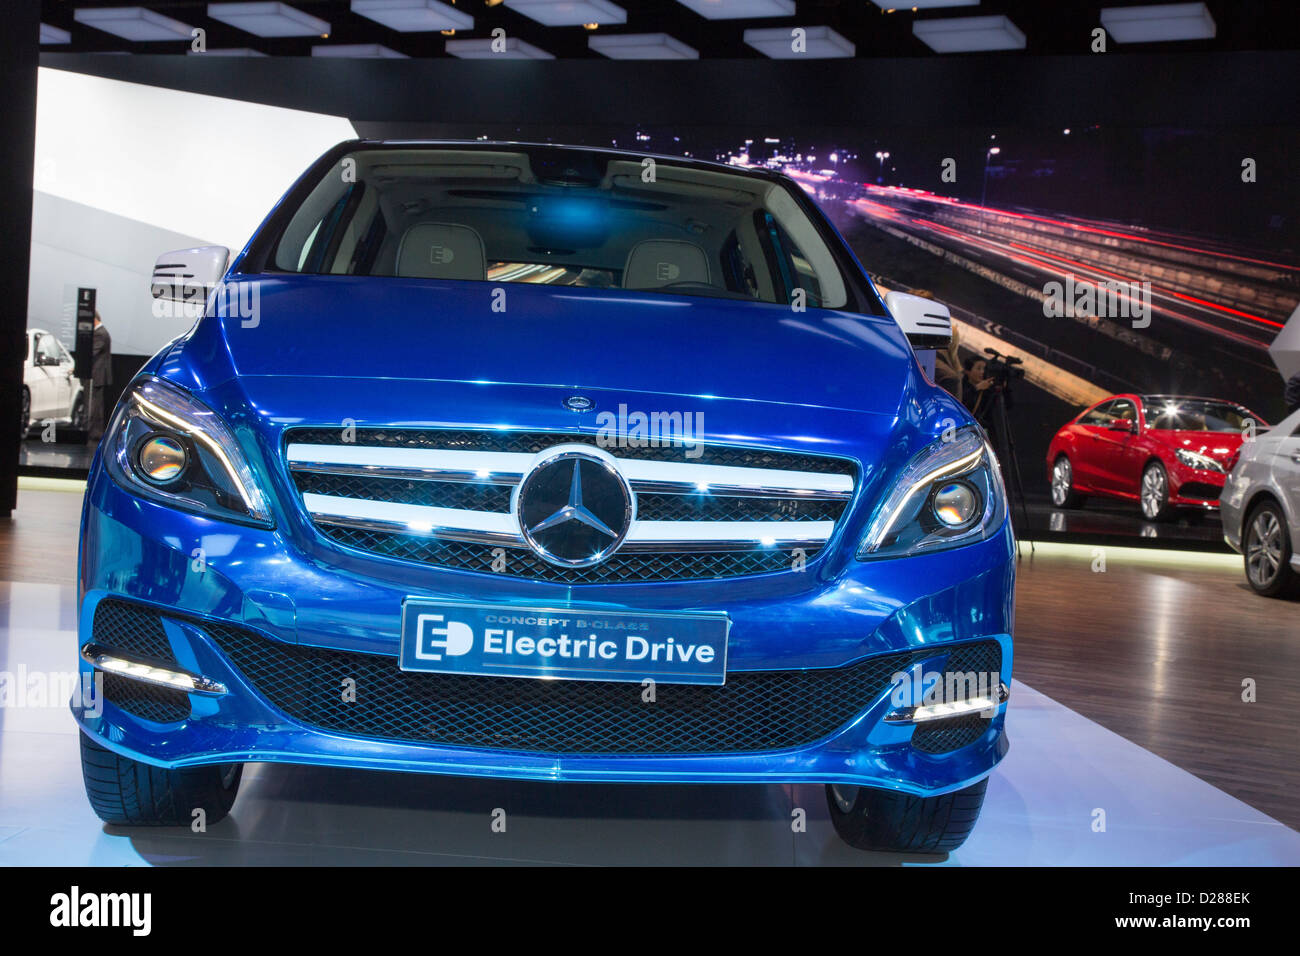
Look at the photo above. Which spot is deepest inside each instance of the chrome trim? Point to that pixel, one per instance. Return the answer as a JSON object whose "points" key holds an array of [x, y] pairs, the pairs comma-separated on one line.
{"points": [[429, 462], [454, 524], [767, 481], [103, 659], [502, 528], [509, 468], [925, 713], [401, 527], [643, 486], [410, 474]]}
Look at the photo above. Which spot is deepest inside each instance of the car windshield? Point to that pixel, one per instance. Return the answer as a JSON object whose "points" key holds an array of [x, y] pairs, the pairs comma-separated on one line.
{"points": [[1198, 415], [561, 217]]}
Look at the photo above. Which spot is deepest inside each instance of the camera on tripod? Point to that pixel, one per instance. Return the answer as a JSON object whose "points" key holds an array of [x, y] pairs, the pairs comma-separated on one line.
{"points": [[1003, 369]]}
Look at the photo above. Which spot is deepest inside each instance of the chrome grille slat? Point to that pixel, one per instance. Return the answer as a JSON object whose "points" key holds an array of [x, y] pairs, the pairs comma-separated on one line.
{"points": [[386, 492], [509, 467]]}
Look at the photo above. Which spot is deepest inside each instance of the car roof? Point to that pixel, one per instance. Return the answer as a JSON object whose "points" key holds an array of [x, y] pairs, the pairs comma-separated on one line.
{"points": [[613, 152], [1190, 398]]}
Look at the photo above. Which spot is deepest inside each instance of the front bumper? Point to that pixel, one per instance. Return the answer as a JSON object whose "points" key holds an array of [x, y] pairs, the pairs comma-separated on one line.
{"points": [[307, 594], [1198, 488]]}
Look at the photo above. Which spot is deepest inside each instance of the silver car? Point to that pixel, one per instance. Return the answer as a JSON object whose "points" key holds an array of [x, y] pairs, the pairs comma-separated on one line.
{"points": [[1261, 508]]}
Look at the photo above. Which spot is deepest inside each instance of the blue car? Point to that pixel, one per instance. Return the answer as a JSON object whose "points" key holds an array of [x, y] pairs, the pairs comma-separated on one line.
{"points": [[545, 463]]}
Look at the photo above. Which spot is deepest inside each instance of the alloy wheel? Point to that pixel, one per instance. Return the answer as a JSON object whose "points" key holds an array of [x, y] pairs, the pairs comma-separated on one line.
{"points": [[1153, 492], [1264, 548], [1061, 479]]}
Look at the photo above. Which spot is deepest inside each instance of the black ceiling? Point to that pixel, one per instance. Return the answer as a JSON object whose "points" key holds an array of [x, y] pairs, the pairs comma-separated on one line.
{"points": [[1050, 27]]}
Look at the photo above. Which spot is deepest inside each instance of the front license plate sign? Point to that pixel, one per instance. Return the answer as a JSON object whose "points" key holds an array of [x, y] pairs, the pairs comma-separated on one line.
{"points": [[491, 640]]}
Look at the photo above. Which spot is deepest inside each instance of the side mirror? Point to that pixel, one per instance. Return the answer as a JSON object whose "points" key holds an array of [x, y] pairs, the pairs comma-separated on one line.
{"points": [[926, 323], [1122, 425], [186, 276]]}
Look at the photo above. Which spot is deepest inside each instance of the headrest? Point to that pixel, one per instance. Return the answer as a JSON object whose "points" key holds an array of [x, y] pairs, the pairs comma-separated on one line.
{"points": [[439, 250], [659, 262]]}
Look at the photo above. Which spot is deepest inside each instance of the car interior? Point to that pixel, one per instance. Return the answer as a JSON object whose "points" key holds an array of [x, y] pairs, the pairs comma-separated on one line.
{"points": [[579, 220]]}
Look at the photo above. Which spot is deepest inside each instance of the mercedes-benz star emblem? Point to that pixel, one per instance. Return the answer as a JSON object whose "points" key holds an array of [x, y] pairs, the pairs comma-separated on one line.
{"points": [[574, 508]]}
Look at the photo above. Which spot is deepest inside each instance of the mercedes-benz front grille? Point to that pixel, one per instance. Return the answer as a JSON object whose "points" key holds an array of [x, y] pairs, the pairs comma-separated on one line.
{"points": [[447, 498]]}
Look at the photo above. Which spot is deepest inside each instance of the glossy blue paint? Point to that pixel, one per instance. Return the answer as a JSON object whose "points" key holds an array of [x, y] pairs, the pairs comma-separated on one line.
{"points": [[388, 351]]}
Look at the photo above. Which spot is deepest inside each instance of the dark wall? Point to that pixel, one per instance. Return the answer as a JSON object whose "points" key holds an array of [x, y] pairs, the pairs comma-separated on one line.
{"points": [[1199, 89], [18, 59]]}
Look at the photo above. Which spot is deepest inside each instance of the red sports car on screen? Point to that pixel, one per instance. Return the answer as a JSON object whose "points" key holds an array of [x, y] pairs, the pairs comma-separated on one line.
{"points": [[1163, 451]]}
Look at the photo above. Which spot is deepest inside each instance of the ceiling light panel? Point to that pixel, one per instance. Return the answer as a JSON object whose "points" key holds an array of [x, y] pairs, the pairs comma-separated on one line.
{"points": [[1159, 23], [229, 51], [135, 23], [569, 13], [740, 9], [413, 16], [923, 4], [819, 43], [269, 19], [358, 51], [51, 34], [515, 49], [969, 34], [641, 46]]}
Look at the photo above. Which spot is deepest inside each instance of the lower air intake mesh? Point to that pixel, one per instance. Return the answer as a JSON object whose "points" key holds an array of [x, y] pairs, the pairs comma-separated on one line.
{"points": [[161, 704], [753, 711], [134, 630]]}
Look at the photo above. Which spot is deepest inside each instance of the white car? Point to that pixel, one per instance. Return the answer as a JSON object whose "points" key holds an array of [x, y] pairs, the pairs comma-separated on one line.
{"points": [[1261, 508], [50, 389]]}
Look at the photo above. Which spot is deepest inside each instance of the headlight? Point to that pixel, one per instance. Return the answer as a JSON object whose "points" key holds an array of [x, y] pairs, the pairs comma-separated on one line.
{"points": [[949, 494], [165, 445], [1194, 459]]}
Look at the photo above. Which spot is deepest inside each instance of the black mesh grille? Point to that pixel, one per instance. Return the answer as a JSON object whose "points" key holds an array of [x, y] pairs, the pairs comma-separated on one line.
{"points": [[1200, 490], [624, 567], [134, 630], [942, 736], [663, 507], [982, 659], [755, 711], [533, 442], [161, 704], [466, 495]]}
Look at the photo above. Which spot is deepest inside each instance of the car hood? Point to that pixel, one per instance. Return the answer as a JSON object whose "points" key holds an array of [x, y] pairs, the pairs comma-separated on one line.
{"points": [[1221, 446], [324, 327]]}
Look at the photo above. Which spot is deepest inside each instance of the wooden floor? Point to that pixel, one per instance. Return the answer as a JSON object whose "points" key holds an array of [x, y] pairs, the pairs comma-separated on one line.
{"points": [[38, 544], [1155, 648]]}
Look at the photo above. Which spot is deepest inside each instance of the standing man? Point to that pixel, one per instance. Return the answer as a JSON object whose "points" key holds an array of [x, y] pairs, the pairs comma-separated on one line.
{"points": [[101, 376]]}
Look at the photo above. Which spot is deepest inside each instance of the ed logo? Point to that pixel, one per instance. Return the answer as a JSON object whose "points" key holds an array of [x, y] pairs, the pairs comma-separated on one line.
{"points": [[433, 641]]}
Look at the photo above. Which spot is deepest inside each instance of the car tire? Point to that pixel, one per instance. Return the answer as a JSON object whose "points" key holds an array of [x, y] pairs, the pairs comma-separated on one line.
{"points": [[130, 793], [1063, 493], [1266, 552], [26, 420], [889, 821], [1153, 492]]}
